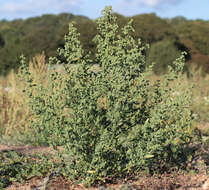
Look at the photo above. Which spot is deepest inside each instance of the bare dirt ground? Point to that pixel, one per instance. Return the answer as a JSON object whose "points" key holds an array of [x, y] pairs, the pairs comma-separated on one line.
{"points": [[172, 181], [164, 182]]}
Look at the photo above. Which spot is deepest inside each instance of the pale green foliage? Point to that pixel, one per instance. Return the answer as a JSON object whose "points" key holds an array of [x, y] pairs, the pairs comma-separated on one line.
{"points": [[118, 123]]}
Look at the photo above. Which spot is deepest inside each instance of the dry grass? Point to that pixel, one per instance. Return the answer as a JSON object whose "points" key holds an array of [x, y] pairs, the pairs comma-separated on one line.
{"points": [[14, 109]]}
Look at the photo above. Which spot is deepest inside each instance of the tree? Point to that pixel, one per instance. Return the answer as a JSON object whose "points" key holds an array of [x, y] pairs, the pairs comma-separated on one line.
{"points": [[2, 42], [163, 53], [151, 28]]}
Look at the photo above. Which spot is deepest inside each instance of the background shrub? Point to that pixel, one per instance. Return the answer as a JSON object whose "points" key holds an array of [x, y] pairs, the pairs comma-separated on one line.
{"points": [[163, 53]]}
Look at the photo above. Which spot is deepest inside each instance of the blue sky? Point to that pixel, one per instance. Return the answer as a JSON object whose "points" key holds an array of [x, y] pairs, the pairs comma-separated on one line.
{"points": [[191, 9]]}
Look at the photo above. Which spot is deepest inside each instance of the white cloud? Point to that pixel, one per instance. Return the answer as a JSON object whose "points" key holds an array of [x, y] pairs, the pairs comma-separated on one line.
{"points": [[151, 3], [25, 8]]}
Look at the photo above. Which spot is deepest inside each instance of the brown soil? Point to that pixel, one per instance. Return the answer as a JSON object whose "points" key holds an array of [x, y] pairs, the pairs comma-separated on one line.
{"points": [[164, 182], [27, 149]]}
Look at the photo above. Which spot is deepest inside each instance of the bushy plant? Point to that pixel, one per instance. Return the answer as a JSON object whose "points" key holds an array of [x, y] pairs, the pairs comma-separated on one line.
{"points": [[163, 53], [114, 122]]}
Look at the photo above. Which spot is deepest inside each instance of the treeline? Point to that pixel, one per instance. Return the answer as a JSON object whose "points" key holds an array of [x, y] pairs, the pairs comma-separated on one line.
{"points": [[167, 38]]}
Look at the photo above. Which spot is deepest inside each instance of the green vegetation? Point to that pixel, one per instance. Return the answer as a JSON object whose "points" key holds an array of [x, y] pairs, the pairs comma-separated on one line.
{"points": [[110, 124], [162, 52], [16, 167], [193, 34], [151, 28], [45, 33], [38, 34]]}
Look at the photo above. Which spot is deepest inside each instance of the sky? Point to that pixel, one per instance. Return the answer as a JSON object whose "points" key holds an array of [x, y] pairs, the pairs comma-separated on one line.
{"points": [[190, 9]]}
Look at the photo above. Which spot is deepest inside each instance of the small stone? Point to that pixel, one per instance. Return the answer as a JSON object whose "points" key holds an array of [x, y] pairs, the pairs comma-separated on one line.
{"points": [[206, 185]]}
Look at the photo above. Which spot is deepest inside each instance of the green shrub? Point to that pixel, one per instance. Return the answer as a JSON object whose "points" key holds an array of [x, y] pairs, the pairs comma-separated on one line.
{"points": [[118, 123], [163, 53]]}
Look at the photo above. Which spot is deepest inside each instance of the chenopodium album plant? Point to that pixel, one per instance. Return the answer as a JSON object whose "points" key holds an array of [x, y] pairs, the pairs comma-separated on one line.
{"points": [[117, 122]]}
